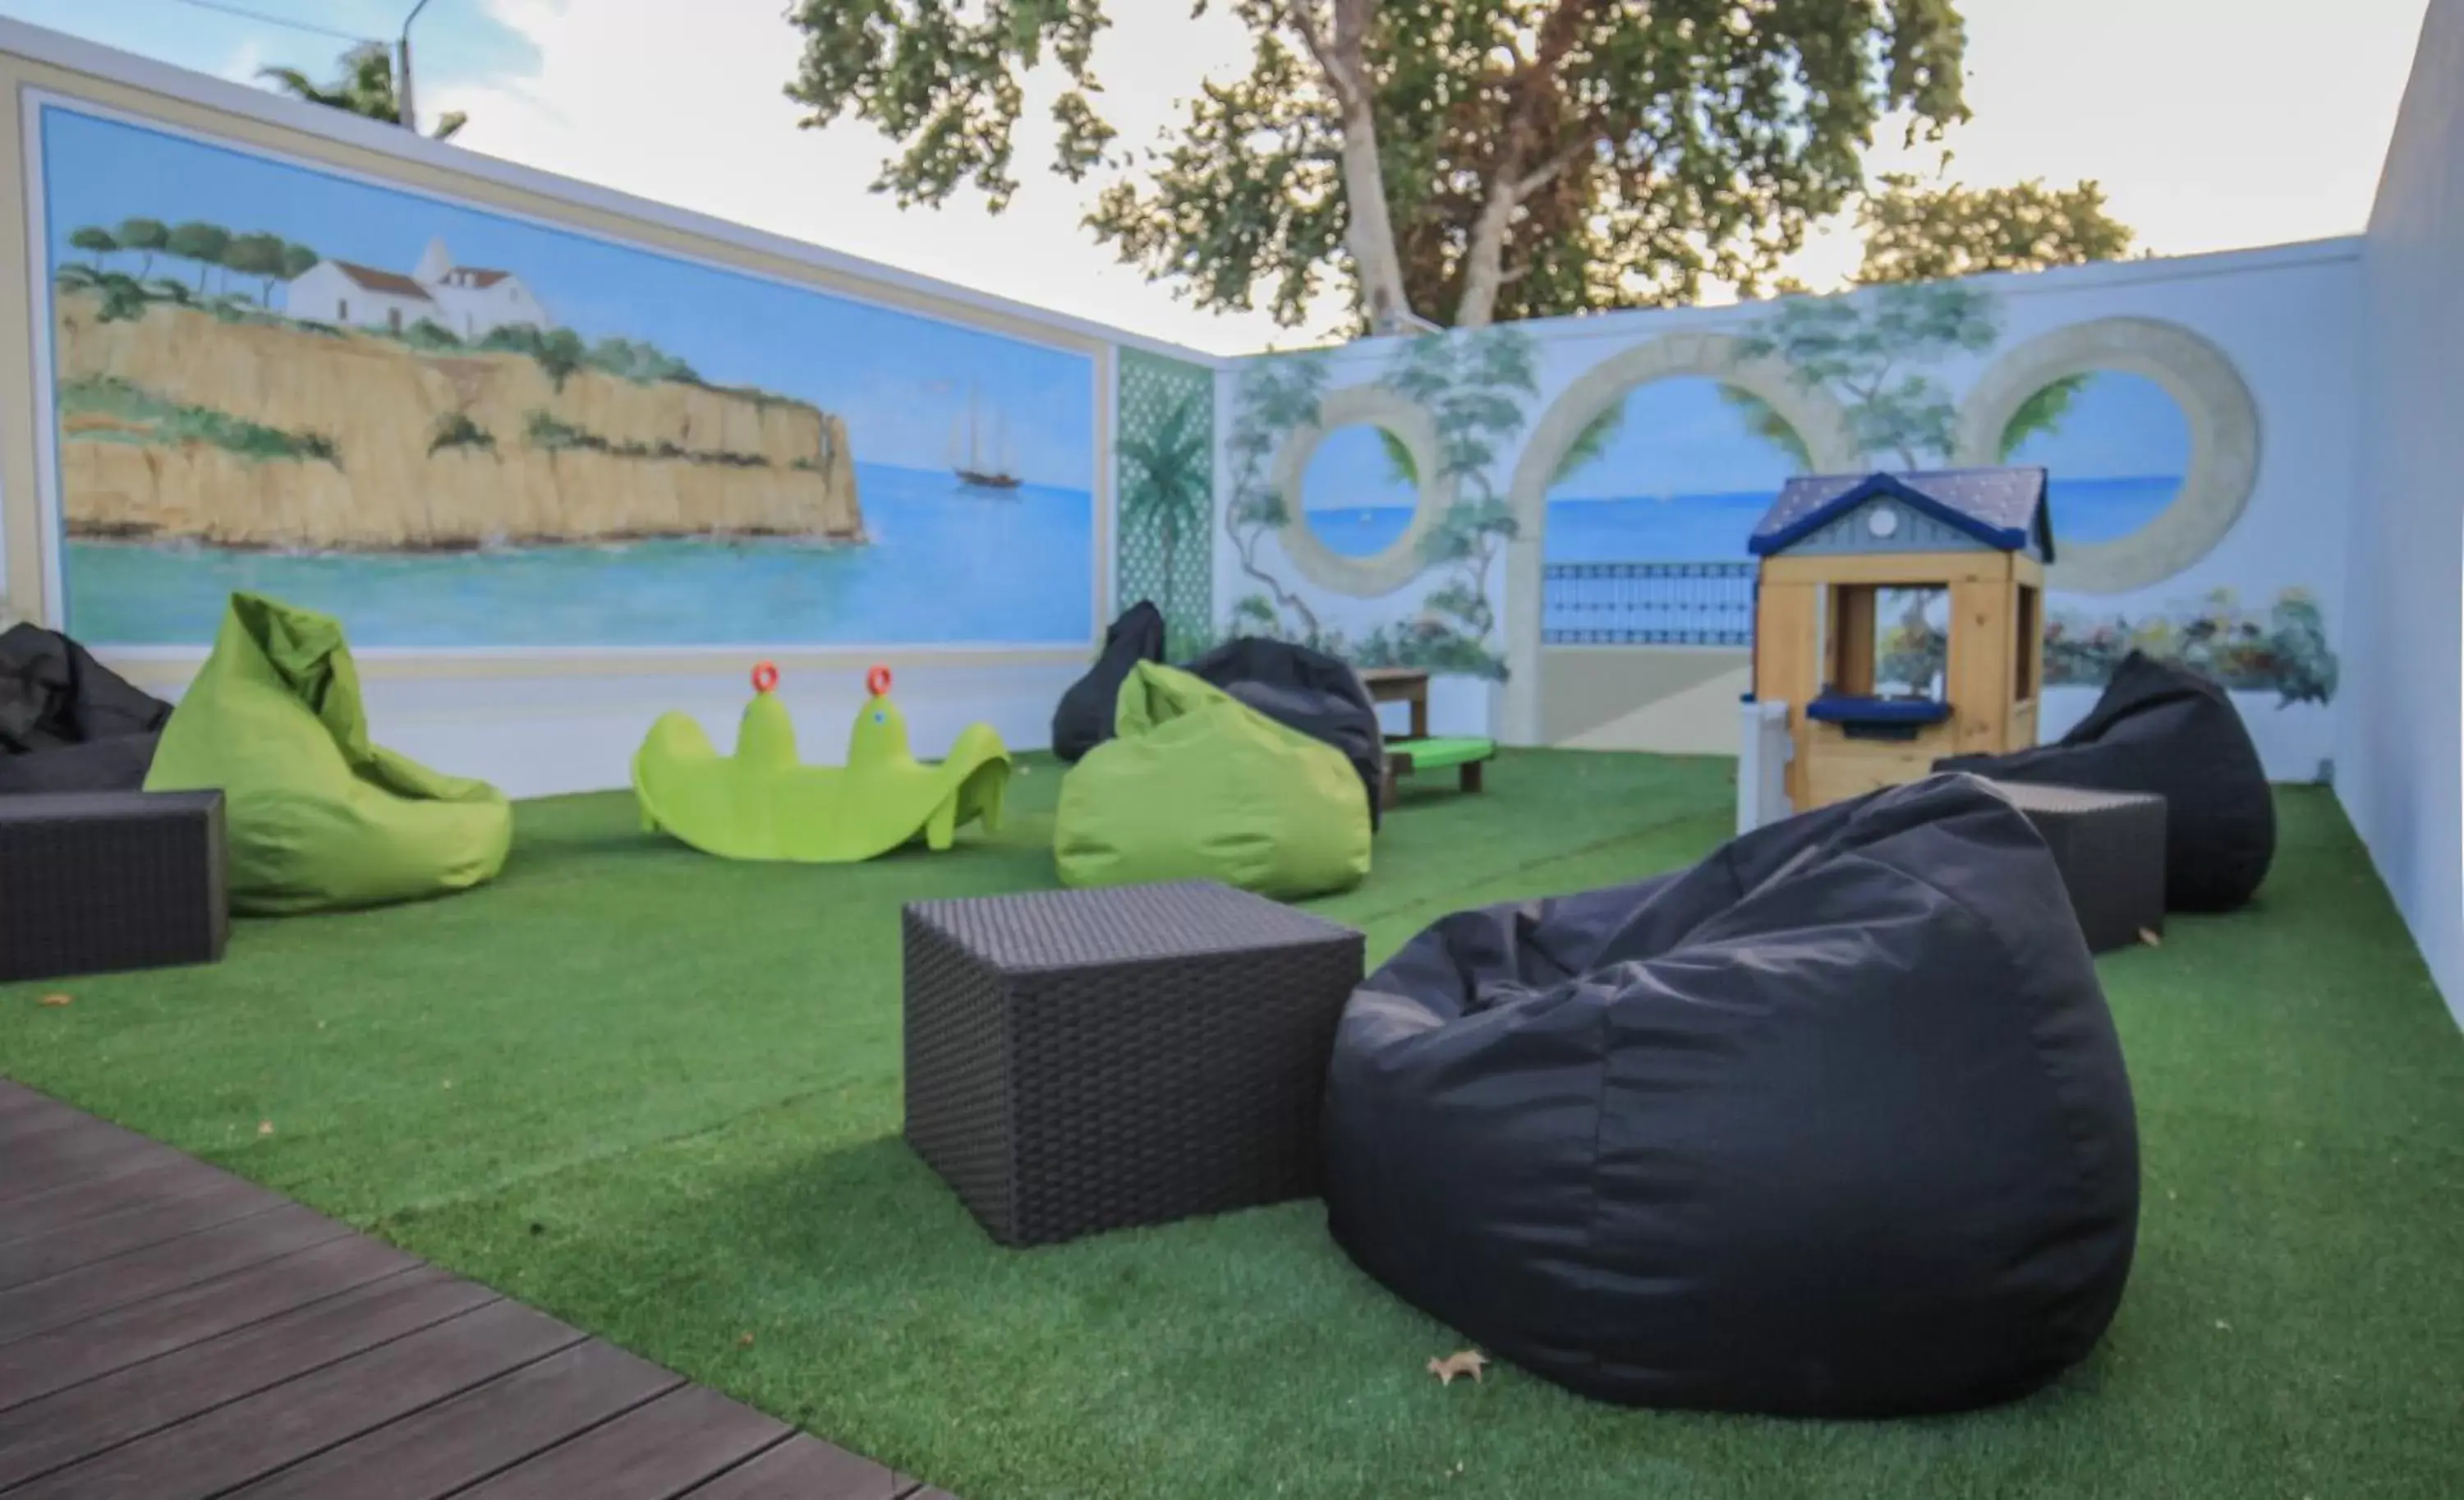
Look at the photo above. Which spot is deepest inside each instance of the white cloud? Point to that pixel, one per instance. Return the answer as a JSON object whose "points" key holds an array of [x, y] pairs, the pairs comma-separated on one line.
{"points": [[2211, 124]]}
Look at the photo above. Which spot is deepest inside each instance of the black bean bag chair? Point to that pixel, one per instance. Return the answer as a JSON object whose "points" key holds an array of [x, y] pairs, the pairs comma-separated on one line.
{"points": [[1833, 1124], [1309, 691], [2164, 728], [67, 723], [1083, 717]]}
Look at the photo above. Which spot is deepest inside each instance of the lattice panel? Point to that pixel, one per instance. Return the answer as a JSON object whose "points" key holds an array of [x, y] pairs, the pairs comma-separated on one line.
{"points": [[1164, 462]]}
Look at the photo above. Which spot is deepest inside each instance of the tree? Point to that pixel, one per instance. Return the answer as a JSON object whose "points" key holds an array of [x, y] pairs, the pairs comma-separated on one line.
{"points": [[1172, 485], [297, 261], [201, 242], [364, 86], [1919, 233], [1458, 160], [95, 242], [258, 255], [1272, 397], [146, 236]]}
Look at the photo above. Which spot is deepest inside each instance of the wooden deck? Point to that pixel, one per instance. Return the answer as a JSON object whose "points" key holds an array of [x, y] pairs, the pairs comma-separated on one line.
{"points": [[172, 1333]]}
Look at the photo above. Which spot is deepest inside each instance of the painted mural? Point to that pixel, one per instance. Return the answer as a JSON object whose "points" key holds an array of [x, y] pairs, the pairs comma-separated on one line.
{"points": [[1165, 457], [1641, 523], [455, 428], [1474, 391]]}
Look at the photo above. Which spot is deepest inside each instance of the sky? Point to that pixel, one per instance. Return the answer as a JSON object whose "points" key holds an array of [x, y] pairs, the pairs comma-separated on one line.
{"points": [[2211, 124], [898, 379]]}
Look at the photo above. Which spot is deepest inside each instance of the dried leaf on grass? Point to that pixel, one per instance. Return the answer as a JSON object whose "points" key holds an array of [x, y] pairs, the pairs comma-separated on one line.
{"points": [[264, 1127], [744, 1340], [2149, 937], [1465, 1362], [54, 1000]]}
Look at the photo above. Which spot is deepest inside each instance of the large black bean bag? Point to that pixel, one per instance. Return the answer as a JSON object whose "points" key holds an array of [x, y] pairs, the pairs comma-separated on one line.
{"points": [[2165, 729], [67, 723], [1083, 717], [1316, 694], [1833, 1124]]}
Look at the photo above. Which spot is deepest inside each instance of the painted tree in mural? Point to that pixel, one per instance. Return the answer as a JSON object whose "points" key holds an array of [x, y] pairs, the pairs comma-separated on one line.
{"points": [[1168, 480], [362, 85], [1454, 160], [1861, 349], [1475, 385], [147, 238], [1271, 400]]}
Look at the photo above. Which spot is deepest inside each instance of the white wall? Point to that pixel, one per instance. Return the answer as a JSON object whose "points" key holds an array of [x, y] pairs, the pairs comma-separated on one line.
{"points": [[2399, 767]]}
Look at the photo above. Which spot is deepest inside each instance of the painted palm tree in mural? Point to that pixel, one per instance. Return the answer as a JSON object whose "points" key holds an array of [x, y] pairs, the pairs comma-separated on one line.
{"points": [[365, 86], [1171, 483]]}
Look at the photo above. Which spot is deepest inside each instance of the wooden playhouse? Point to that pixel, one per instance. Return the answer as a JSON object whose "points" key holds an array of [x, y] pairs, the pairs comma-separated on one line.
{"points": [[1899, 618]]}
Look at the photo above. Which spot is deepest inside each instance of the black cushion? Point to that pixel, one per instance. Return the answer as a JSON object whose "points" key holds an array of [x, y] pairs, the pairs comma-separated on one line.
{"points": [[2164, 729], [1306, 690], [1835, 1124], [1084, 718], [106, 765], [67, 723]]}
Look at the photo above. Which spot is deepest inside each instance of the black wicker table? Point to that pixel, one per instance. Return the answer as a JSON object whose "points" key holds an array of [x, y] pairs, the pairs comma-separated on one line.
{"points": [[96, 881], [2111, 849], [1088, 1060]]}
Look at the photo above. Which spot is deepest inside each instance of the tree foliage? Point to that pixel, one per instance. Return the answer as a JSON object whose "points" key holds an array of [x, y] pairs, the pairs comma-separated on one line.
{"points": [[1914, 232], [1455, 160], [362, 85]]}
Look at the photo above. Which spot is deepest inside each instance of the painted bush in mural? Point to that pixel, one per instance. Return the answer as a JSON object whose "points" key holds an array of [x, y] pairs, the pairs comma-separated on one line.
{"points": [[453, 427], [1165, 457]]}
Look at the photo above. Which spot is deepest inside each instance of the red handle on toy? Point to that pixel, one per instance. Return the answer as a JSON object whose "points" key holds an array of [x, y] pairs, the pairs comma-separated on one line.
{"points": [[877, 681], [765, 677]]}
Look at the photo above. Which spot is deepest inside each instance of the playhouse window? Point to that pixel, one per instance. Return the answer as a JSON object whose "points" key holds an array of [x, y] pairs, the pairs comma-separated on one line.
{"points": [[2030, 647], [1888, 641]]}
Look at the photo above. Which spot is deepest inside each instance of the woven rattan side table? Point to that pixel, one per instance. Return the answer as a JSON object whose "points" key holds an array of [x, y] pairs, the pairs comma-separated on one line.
{"points": [[96, 881], [1088, 1060], [2111, 849]]}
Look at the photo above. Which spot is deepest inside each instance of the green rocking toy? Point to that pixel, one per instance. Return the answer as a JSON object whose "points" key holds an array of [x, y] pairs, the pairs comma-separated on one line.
{"points": [[759, 804]]}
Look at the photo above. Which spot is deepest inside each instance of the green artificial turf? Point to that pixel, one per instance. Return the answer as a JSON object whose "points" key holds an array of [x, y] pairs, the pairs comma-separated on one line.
{"points": [[657, 1095]]}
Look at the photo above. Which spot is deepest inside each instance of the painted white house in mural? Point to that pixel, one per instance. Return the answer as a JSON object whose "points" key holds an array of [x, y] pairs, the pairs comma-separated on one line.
{"points": [[472, 301]]}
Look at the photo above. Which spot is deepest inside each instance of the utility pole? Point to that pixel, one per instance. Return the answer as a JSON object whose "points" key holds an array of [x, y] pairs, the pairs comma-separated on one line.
{"points": [[409, 113]]}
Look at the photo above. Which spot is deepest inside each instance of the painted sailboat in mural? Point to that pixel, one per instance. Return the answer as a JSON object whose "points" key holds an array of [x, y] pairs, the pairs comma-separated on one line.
{"points": [[976, 467]]}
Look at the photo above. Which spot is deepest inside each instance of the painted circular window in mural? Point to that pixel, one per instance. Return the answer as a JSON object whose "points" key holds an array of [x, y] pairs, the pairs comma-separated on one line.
{"points": [[1359, 492], [2116, 448]]}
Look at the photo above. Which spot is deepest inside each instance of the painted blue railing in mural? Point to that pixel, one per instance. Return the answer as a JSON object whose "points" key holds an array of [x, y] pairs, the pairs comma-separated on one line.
{"points": [[1647, 603]]}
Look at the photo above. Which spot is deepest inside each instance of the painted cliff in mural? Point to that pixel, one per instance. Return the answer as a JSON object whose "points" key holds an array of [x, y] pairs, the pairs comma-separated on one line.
{"points": [[461, 428]]}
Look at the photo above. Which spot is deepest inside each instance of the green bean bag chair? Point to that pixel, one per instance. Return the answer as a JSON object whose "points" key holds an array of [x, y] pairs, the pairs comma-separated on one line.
{"points": [[1197, 786], [317, 817]]}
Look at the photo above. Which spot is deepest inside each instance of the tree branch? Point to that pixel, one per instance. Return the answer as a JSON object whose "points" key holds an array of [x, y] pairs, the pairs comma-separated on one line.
{"points": [[1541, 176], [1302, 14]]}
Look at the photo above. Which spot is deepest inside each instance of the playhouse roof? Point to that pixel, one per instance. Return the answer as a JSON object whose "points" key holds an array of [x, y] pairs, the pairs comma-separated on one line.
{"points": [[2003, 508]]}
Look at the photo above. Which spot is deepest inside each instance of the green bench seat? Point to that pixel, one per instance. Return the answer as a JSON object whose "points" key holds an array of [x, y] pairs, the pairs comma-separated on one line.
{"points": [[1464, 753]]}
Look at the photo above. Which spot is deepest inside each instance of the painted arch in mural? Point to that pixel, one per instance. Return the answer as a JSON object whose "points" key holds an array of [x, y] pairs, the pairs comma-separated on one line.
{"points": [[1770, 403]]}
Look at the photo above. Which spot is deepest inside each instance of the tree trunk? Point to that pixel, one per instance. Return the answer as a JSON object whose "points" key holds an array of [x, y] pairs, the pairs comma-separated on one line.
{"points": [[1484, 257], [1371, 228]]}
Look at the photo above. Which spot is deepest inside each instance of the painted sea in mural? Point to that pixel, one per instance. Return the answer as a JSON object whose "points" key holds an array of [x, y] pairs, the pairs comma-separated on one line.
{"points": [[1008, 570], [460, 428], [1707, 528]]}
